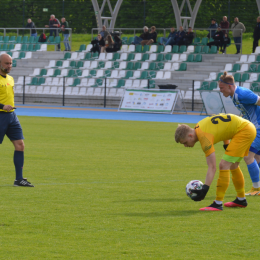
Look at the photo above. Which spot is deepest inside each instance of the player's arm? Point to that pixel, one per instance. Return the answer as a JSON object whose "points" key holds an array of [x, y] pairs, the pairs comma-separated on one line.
{"points": [[201, 194]]}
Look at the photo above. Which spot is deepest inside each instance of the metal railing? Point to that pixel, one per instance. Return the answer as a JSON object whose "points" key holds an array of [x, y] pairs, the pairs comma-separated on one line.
{"points": [[58, 30]]}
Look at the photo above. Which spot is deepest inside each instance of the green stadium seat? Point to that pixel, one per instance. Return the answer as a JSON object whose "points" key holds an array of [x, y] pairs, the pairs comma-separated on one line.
{"points": [[1, 39], [4, 47], [175, 49], [75, 82], [198, 58], [80, 64], [205, 50], [255, 87], [137, 66], [213, 85], [106, 74], [37, 39], [31, 40], [151, 74], [130, 57], [129, 66], [182, 49], [138, 49], [9, 53], [82, 47], [151, 84], [257, 59], [92, 73], [78, 73], [235, 68], [116, 56], [37, 47], [56, 72], [71, 73], [196, 41], [145, 57], [57, 40], [252, 68], [152, 66], [21, 55], [258, 78], [245, 77], [204, 86], [198, 49], [204, 41], [130, 40], [50, 40], [211, 40], [213, 50], [115, 65], [124, 40], [73, 64], [158, 41], [30, 47], [25, 40], [144, 75], [128, 75], [19, 39], [14, 63], [190, 58], [160, 57], [41, 81], [58, 64], [98, 83], [101, 65], [160, 49], [120, 83], [168, 57], [237, 77], [6, 39], [43, 72], [159, 65], [34, 81], [145, 48], [67, 55], [87, 56], [12, 39], [24, 47], [183, 67]]}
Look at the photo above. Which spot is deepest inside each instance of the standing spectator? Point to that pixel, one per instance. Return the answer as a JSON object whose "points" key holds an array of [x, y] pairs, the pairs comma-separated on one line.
{"points": [[10, 125], [224, 25], [237, 33], [170, 39], [66, 34], [218, 38], [188, 38], [213, 25], [55, 24], [256, 34], [144, 36], [30, 24], [179, 36], [118, 43], [226, 41], [104, 33], [152, 37]]}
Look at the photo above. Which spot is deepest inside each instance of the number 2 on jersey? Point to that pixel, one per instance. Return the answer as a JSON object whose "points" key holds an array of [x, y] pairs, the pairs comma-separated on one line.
{"points": [[215, 121]]}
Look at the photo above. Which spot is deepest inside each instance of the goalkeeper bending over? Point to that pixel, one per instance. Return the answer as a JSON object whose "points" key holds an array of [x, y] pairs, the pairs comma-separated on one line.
{"points": [[210, 131]]}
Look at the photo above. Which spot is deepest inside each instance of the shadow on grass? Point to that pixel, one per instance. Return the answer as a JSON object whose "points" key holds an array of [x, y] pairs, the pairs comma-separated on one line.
{"points": [[173, 213]]}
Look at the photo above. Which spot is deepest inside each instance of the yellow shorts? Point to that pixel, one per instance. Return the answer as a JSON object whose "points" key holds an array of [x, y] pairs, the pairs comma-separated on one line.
{"points": [[241, 142]]}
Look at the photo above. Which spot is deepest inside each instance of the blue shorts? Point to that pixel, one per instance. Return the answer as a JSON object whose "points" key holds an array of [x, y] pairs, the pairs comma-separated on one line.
{"points": [[10, 126]]}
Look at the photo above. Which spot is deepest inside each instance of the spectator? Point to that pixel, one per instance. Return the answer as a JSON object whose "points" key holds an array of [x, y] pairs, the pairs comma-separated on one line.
{"points": [[237, 33], [104, 33], [179, 36], [256, 34], [170, 39], [212, 26], [30, 24], [118, 43], [188, 38], [98, 44], [54, 23], [109, 44], [226, 41], [218, 38], [152, 37], [224, 25], [66, 34], [144, 36]]}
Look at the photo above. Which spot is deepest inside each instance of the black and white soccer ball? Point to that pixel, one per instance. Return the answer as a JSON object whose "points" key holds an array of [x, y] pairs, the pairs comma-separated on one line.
{"points": [[193, 185]]}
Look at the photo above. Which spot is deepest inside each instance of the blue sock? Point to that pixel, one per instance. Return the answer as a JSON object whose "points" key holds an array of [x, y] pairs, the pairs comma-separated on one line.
{"points": [[253, 169], [18, 163]]}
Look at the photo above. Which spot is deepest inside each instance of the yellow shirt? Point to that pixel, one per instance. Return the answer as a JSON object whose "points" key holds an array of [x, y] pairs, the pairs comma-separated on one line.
{"points": [[214, 129], [7, 91]]}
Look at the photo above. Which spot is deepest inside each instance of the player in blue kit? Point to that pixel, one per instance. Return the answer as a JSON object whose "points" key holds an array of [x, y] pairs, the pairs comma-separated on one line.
{"points": [[249, 105]]}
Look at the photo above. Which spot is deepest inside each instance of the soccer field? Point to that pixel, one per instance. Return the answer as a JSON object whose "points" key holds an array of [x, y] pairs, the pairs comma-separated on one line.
{"points": [[116, 190]]}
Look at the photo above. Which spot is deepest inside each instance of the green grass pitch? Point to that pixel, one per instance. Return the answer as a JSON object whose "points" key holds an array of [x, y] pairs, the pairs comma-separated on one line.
{"points": [[116, 190]]}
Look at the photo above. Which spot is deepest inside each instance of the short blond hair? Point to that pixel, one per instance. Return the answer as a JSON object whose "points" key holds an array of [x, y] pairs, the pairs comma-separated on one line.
{"points": [[181, 132], [227, 78]]}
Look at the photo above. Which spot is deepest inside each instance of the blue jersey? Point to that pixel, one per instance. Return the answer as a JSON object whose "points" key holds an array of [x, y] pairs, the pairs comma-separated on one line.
{"points": [[245, 100]]}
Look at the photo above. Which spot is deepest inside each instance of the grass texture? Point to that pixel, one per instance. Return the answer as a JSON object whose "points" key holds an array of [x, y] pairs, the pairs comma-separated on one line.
{"points": [[116, 190]]}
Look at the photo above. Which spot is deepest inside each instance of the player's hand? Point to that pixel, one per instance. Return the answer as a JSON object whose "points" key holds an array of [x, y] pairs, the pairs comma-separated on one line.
{"points": [[225, 146], [201, 194], [8, 108]]}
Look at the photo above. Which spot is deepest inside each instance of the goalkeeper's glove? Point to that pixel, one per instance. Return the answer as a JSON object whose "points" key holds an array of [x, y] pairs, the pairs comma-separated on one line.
{"points": [[225, 146], [201, 194]]}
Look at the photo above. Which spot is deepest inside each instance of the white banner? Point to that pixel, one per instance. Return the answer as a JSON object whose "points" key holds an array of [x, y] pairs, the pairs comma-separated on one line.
{"points": [[157, 101], [229, 105]]}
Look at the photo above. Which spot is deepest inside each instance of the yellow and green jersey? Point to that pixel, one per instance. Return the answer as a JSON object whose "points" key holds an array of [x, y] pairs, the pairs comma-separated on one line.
{"points": [[7, 91], [214, 129]]}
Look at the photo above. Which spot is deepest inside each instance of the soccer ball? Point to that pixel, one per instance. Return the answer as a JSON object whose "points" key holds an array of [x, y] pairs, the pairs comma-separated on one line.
{"points": [[193, 185]]}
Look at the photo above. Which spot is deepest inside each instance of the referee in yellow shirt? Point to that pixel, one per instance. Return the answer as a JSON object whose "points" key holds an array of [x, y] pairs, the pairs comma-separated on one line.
{"points": [[9, 123], [210, 131]]}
